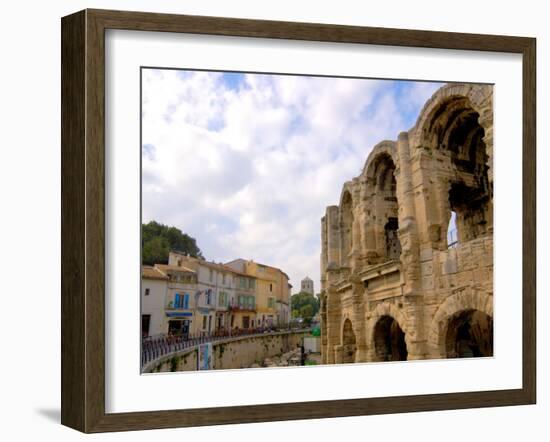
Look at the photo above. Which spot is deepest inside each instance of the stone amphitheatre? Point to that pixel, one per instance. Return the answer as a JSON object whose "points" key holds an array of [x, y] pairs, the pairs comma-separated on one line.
{"points": [[396, 283]]}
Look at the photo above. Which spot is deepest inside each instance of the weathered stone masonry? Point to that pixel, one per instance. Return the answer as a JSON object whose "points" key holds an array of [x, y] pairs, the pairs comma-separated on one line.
{"points": [[394, 285]]}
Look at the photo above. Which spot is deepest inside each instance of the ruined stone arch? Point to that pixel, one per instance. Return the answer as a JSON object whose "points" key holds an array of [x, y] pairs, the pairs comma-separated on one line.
{"points": [[349, 342], [379, 316], [382, 218], [346, 220], [387, 147], [467, 300], [456, 126], [477, 97]]}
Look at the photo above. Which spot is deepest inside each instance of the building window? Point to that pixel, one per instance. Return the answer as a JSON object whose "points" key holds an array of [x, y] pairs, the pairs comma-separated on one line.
{"points": [[186, 301], [223, 279], [270, 287], [211, 275], [204, 322], [147, 291], [145, 324]]}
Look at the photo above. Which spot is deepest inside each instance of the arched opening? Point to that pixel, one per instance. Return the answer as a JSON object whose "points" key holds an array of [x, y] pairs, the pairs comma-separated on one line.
{"points": [[389, 340], [386, 207], [456, 132], [348, 343], [346, 226], [452, 239], [469, 335], [393, 246]]}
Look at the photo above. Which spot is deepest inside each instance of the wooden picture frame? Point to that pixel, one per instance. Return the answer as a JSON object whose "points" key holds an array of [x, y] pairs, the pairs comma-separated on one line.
{"points": [[83, 219]]}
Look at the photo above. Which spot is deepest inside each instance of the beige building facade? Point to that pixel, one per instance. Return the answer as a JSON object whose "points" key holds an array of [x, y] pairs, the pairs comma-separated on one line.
{"points": [[214, 291], [154, 288], [407, 254], [272, 291], [180, 303]]}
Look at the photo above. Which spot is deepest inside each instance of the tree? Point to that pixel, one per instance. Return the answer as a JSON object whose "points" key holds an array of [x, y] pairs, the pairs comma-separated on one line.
{"points": [[304, 305], [157, 240]]}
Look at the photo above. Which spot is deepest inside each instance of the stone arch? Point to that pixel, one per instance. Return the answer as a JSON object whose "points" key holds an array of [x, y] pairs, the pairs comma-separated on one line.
{"points": [[463, 301], [463, 100], [456, 125], [379, 316], [349, 342], [383, 217], [346, 220], [386, 147]]}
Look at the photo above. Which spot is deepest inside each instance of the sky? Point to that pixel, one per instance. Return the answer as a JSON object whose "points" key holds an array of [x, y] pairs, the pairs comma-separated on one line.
{"points": [[247, 163]]}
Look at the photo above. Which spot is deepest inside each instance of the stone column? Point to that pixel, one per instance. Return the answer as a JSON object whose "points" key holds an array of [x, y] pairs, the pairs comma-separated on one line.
{"points": [[359, 319], [324, 256], [408, 234], [370, 252], [334, 313], [333, 237], [356, 238], [426, 200], [323, 310], [339, 354]]}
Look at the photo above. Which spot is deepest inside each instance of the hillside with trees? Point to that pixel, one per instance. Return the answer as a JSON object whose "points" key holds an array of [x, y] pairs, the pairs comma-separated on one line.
{"points": [[158, 239]]}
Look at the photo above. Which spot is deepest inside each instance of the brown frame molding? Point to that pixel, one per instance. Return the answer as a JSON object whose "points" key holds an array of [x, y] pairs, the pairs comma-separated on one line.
{"points": [[83, 216]]}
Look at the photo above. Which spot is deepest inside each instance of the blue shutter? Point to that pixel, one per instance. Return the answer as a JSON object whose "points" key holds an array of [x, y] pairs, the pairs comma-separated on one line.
{"points": [[186, 301], [177, 301]]}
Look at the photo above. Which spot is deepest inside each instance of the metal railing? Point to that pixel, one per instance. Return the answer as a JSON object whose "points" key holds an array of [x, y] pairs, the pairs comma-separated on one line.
{"points": [[452, 238], [155, 347]]}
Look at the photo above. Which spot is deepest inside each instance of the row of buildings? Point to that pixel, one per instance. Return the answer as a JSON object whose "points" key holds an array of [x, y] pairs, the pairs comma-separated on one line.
{"points": [[190, 295]]}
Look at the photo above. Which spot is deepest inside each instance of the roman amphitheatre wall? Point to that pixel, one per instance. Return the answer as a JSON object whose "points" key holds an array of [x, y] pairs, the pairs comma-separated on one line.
{"points": [[407, 254]]}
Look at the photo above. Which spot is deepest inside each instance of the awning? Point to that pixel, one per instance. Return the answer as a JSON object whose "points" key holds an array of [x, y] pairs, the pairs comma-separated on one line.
{"points": [[184, 315]]}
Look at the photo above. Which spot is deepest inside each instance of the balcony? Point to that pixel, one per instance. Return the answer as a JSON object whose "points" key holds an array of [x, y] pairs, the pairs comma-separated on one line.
{"points": [[178, 302], [241, 308]]}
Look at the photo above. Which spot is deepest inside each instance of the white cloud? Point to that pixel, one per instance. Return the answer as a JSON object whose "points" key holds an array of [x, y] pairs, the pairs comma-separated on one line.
{"points": [[248, 171]]}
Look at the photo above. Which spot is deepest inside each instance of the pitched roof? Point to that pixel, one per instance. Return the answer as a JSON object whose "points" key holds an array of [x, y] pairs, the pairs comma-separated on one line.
{"points": [[148, 272], [210, 265], [166, 268], [245, 261]]}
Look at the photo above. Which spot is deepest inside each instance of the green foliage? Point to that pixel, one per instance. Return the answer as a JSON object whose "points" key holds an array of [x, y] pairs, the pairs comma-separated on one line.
{"points": [[304, 305], [157, 240], [174, 364]]}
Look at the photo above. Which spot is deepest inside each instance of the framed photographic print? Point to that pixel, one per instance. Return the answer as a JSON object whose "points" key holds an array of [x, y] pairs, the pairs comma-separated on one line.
{"points": [[267, 220]]}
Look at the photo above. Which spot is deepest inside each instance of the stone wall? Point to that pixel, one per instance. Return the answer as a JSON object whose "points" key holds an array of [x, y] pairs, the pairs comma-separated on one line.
{"points": [[246, 352], [232, 353]]}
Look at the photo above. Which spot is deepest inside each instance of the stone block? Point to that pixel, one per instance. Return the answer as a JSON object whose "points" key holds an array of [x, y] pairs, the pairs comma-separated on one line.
{"points": [[426, 254], [427, 283], [449, 266], [426, 268]]}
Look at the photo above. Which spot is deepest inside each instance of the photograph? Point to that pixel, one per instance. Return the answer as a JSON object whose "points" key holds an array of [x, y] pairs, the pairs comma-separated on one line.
{"points": [[302, 220]]}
